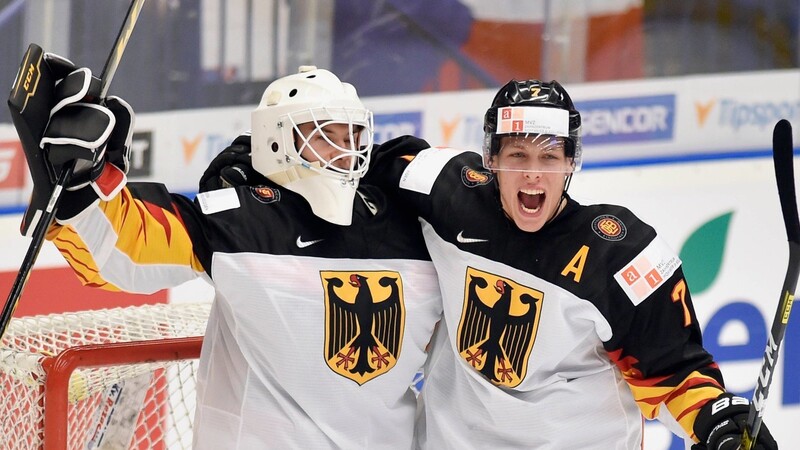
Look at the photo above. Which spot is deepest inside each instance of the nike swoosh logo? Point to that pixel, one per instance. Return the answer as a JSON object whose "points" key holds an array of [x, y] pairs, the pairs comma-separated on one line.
{"points": [[466, 240], [303, 244]]}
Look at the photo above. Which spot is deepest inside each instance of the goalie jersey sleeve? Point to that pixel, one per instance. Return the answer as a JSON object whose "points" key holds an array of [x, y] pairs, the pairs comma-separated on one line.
{"points": [[136, 242], [316, 331], [561, 338]]}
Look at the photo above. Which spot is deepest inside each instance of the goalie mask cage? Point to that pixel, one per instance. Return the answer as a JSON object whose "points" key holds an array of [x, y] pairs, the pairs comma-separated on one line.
{"points": [[121, 378]]}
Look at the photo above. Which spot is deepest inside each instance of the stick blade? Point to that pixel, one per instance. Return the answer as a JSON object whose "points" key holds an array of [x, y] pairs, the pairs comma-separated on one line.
{"points": [[783, 157]]}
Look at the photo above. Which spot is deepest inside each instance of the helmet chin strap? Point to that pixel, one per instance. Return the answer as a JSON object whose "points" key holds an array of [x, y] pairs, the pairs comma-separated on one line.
{"points": [[561, 201]]}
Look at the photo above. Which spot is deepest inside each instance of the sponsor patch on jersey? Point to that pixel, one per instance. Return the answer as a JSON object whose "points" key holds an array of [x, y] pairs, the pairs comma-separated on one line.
{"points": [[422, 171], [216, 201], [266, 194], [609, 227], [364, 322], [498, 326], [471, 177], [648, 271]]}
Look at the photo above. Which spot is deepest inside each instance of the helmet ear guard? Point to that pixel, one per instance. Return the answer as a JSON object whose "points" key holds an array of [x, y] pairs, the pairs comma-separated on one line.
{"points": [[313, 96], [533, 108]]}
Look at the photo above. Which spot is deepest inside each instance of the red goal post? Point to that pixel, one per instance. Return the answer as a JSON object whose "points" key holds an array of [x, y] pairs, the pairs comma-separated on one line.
{"points": [[114, 378]]}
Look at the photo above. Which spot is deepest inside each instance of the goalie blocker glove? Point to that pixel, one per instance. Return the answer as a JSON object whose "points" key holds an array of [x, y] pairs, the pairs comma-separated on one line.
{"points": [[94, 137], [721, 424]]}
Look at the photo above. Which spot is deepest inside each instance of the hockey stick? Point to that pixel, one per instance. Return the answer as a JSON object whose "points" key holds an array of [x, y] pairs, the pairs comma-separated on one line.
{"points": [[24, 93], [783, 157]]}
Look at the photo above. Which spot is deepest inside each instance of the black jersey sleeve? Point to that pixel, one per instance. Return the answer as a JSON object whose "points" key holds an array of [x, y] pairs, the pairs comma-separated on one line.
{"points": [[656, 341]]}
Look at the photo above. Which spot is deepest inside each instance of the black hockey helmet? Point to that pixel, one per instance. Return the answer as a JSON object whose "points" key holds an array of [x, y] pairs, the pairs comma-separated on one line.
{"points": [[535, 94]]}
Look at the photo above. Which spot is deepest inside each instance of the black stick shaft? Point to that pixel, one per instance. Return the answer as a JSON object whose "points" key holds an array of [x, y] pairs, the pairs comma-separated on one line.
{"points": [[33, 250], [783, 157], [124, 35]]}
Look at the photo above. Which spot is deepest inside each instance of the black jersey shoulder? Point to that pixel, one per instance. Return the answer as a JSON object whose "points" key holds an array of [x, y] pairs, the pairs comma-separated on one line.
{"points": [[274, 220], [388, 160], [465, 210]]}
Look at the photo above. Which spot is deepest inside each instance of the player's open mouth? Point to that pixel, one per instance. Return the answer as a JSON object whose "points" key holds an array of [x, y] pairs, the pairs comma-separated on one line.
{"points": [[531, 200]]}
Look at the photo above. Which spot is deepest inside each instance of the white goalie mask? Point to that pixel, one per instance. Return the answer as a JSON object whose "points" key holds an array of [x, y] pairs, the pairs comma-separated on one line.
{"points": [[324, 160]]}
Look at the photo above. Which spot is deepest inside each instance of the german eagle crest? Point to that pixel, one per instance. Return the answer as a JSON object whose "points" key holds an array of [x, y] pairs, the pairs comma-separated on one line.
{"points": [[498, 326], [364, 322]]}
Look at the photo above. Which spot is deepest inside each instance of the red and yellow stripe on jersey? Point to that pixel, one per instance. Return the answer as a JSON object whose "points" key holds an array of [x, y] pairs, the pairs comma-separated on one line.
{"points": [[683, 400], [148, 235]]}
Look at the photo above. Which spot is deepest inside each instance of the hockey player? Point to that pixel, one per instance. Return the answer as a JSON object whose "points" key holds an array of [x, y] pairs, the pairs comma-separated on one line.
{"points": [[563, 323], [325, 294]]}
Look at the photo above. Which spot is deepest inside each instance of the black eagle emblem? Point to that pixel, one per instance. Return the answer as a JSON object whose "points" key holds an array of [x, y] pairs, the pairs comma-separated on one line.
{"points": [[498, 326], [365, 318]]}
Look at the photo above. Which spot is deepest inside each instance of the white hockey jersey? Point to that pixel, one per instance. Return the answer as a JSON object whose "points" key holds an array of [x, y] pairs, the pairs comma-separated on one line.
{"points": [[566, 338], [316, 331]]}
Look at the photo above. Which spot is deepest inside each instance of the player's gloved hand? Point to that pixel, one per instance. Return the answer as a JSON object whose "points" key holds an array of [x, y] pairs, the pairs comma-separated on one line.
{"points": [[721, 424], [232, 167], [95, 137]]}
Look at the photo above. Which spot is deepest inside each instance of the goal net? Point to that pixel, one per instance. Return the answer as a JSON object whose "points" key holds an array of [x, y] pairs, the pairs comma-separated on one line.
{"points": [[121, 378]]}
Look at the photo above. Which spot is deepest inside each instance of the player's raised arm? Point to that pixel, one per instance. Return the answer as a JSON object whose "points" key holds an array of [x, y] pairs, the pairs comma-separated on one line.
{"points": [[95, 138]]}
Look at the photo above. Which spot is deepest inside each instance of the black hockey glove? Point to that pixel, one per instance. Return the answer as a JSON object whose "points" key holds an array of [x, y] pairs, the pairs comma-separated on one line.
{"points": [[90, 135], [721, 423], [44, 82], [232, 167]]}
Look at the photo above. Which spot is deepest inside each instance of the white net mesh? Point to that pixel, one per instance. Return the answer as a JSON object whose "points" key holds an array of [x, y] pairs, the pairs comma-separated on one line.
{"points": [[133, 385]]}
